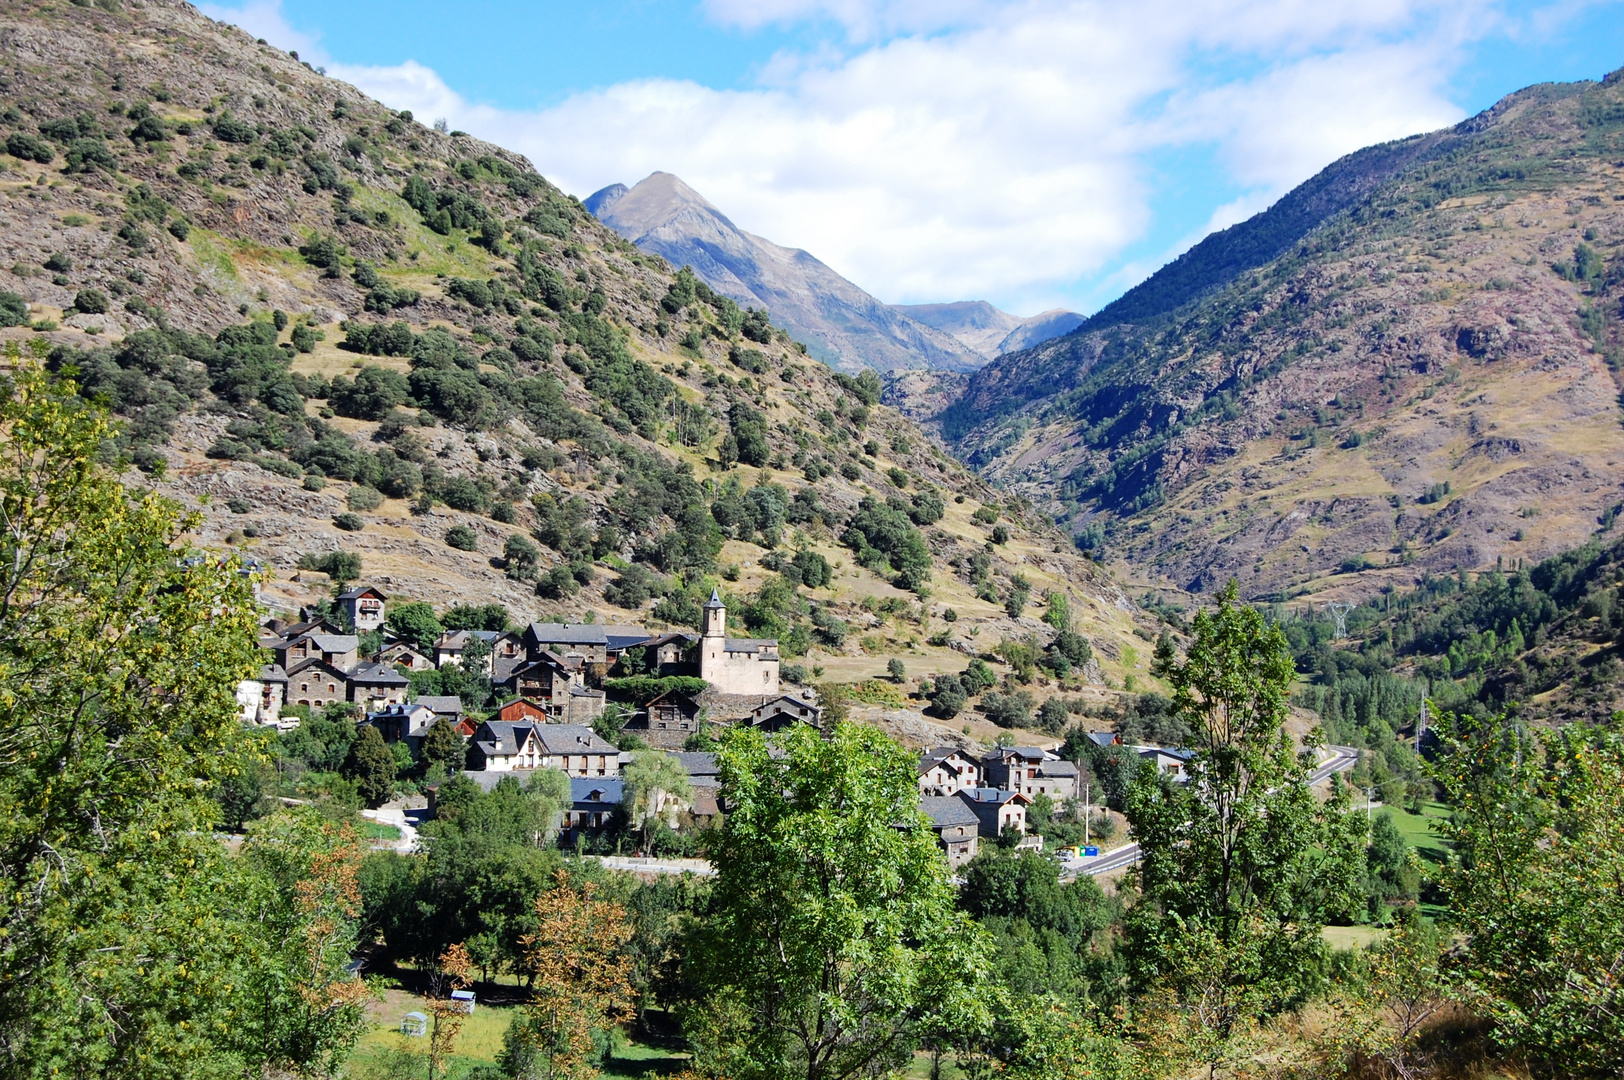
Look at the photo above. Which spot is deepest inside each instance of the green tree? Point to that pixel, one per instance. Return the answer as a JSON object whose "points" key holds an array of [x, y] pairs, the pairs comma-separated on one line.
{"points": [[653, 781], [414, 621], [443, 746], [372, 766], [1535, 885], [833, 946], [129, 946], [1240, 866]]}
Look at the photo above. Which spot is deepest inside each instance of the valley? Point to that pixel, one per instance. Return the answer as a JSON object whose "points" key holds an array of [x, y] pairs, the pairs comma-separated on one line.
{"points": [[451, 627]]}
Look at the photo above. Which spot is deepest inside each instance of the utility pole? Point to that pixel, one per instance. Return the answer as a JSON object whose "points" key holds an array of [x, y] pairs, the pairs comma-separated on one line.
{"points": [[1087, 811]]}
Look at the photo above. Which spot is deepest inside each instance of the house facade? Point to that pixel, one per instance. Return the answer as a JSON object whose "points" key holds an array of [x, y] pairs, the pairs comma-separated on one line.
{"points": [[506, 746], [947, 770], [1030, 771], [667, 721], [784, 711], [364, 607]]}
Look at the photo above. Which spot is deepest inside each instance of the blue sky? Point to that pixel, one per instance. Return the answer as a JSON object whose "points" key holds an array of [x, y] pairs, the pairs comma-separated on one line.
{"points": [[1038, 153]]}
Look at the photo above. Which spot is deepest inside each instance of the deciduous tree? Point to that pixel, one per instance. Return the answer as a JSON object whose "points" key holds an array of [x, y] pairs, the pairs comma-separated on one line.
{"points": [[1241, 865], [833, 946]]}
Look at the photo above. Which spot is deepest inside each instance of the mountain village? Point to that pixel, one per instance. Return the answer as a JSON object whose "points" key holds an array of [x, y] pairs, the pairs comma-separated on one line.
{"points": [[550, 679]]}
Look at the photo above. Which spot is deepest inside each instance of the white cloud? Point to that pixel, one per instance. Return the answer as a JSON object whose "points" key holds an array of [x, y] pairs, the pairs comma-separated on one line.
{"points": [[958, 148], [264, 19]]}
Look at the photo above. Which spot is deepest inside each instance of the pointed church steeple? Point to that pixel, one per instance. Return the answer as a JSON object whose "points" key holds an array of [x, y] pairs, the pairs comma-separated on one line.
{"points": [[715, 616]]}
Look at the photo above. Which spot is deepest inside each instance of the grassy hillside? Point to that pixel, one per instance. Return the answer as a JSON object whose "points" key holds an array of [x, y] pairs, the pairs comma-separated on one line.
{"points": [[1405, 367], [331, 328]]}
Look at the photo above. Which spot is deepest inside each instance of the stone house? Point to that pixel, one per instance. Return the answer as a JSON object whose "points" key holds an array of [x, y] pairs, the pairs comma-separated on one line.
{"points": [[587, 641], [408, 723], [372, 686], [1030, 771], [782, 712], [403, 655], [956, 825], [996, 810], [336, 650], [667, 721], [318, 684], [593, 804]]}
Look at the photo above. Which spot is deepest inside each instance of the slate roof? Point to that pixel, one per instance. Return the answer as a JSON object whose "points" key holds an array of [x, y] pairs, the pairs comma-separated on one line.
{"points": [[591, 793], [1025, 753], [990, 795], [936, 756], [571, 739], [699, 764], [946, 811], [715, 601], [1102, 738], [379, 675], [272, 673], [334, 643], [550, 738], [360, 591], [442, 705], [620, 638], [568, 634], [748, 645], [1058, 768]]}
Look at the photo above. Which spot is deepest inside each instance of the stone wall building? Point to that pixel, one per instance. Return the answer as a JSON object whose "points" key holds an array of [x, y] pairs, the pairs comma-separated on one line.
{"points": [[735, 665]]}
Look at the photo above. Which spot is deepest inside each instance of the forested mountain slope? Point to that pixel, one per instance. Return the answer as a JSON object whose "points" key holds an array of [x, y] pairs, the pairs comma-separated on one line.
{"points": [[333, 329], [1403, 367]]}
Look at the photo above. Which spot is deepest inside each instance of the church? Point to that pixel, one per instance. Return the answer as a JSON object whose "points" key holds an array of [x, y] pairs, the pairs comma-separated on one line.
{"points": [[735, 665]]}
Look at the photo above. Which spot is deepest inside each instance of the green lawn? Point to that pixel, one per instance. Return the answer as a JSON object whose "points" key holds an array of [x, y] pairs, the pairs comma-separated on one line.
{"points": [[1417, 831], [377, 830], [385, 1054]]}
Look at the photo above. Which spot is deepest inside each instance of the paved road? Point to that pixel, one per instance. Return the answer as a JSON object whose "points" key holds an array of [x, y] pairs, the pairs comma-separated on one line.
{"points": [[1341, 759], [655, 866], [402, 819]]}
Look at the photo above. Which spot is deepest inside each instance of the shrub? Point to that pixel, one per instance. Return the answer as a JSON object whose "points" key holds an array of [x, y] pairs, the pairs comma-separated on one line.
{"points": [[461, 493], [374, 392], [88, 155], [13, 310], [1052, 716], [28, 148], [228, 128], [349, 522], [90, 302], [1000, 534], [645, 688], [462, 538], [180, 229], [947, 696], [364, 498], [1008, 710], [239, 506], [341, 566], [521, 556]]}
